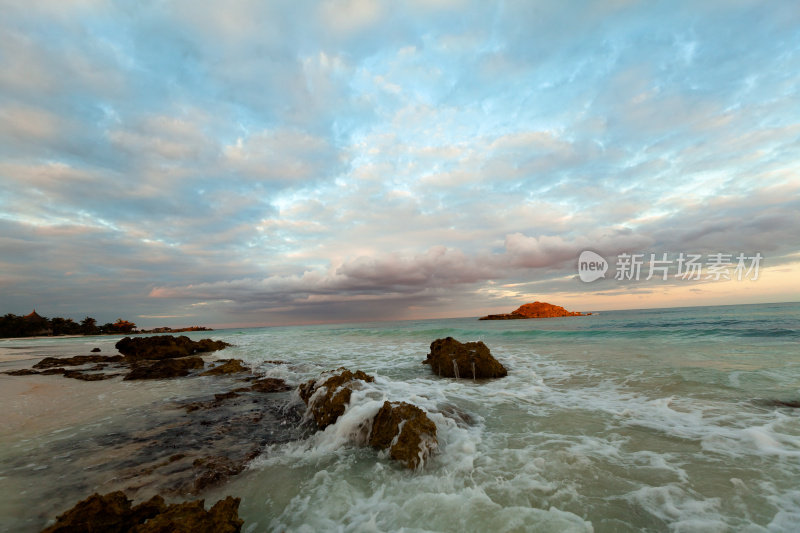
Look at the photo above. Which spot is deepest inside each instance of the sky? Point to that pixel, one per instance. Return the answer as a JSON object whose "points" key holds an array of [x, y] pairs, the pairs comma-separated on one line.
{"points": [[268, 163]]}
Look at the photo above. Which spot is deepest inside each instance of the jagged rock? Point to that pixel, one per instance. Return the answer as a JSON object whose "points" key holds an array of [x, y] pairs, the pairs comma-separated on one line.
{"points": [[95, 350], [328, 405], [50, 362], [270, 385], [469, 360], [192, 517], [113, 513], [406, 431], [165, 347], [230, 366], [534, 310], [165, 368]]}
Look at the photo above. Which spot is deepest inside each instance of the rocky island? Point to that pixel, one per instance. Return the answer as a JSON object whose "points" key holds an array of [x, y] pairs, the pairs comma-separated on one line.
{"points": [[535, 310]]}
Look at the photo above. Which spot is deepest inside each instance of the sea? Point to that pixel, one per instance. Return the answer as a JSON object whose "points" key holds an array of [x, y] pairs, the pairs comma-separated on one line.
{"points": [[680, 419]]}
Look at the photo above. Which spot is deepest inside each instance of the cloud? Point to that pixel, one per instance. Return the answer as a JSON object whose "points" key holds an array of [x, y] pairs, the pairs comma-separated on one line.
{"points": [[290, 160]]}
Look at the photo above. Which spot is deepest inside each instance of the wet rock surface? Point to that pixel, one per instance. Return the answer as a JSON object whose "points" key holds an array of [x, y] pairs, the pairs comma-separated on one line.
{"points": [[165, 368], [163, 449], [227, 366], [406, 431], [78, 360], [327, 398], [172, 448], [469, 360], [115, 513], [268, 385]]}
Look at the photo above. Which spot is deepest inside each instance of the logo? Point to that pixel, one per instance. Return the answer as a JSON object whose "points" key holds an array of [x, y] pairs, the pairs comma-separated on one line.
{"points": [[591, 266]]}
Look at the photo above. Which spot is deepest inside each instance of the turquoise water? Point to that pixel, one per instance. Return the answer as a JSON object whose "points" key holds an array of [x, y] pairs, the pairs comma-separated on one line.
{"points": [[658, 420]]}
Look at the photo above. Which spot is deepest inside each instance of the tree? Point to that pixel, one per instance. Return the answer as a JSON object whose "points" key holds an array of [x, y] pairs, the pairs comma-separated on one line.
{"points": [[123, 326], [89, 326]]}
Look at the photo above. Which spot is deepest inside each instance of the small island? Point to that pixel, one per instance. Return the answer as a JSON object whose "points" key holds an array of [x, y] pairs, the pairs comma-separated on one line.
{"points": [[535, 310]]}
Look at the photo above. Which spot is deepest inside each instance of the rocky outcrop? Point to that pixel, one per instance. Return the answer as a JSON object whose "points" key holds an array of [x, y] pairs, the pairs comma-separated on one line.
{"points": [[534, 310], [113, 513], [406, 431], [165, 347], [328, 404], [227, 366], [468, 360], [164, 368]]}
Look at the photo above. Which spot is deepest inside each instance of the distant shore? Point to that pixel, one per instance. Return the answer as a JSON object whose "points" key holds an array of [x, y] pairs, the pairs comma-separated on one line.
{"points": [[115, 334]]}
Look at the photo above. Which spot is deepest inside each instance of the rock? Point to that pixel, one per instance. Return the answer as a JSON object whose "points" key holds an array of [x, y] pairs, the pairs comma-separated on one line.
{"points": [[328, 405], [113, 513], [95, 350], [406, 431], [50, 362], [77, 374], [792, 404], [21, 372], [110, 513], [53, 371], [270, 385], [534, 310], [216, 402], [504, 316], [191, 517], [165, 368], [165, 347], [230, 366], [470, 360], [212, 471]]}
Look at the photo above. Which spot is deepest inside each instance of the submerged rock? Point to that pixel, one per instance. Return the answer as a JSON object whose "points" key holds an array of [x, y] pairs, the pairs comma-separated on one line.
{"points": [[406, 431], [329, 403], [469, 360], [792, 404], [85, 376], [95, 350], [228, 366], [113, 513], [213, 471], [50, 362], [165, 347], [165, 368], [534, 310], [216, 402], [267, 385]]}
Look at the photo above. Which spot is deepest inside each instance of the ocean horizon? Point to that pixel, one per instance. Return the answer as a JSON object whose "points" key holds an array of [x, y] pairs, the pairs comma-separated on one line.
{"points": [[681, 419]]}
